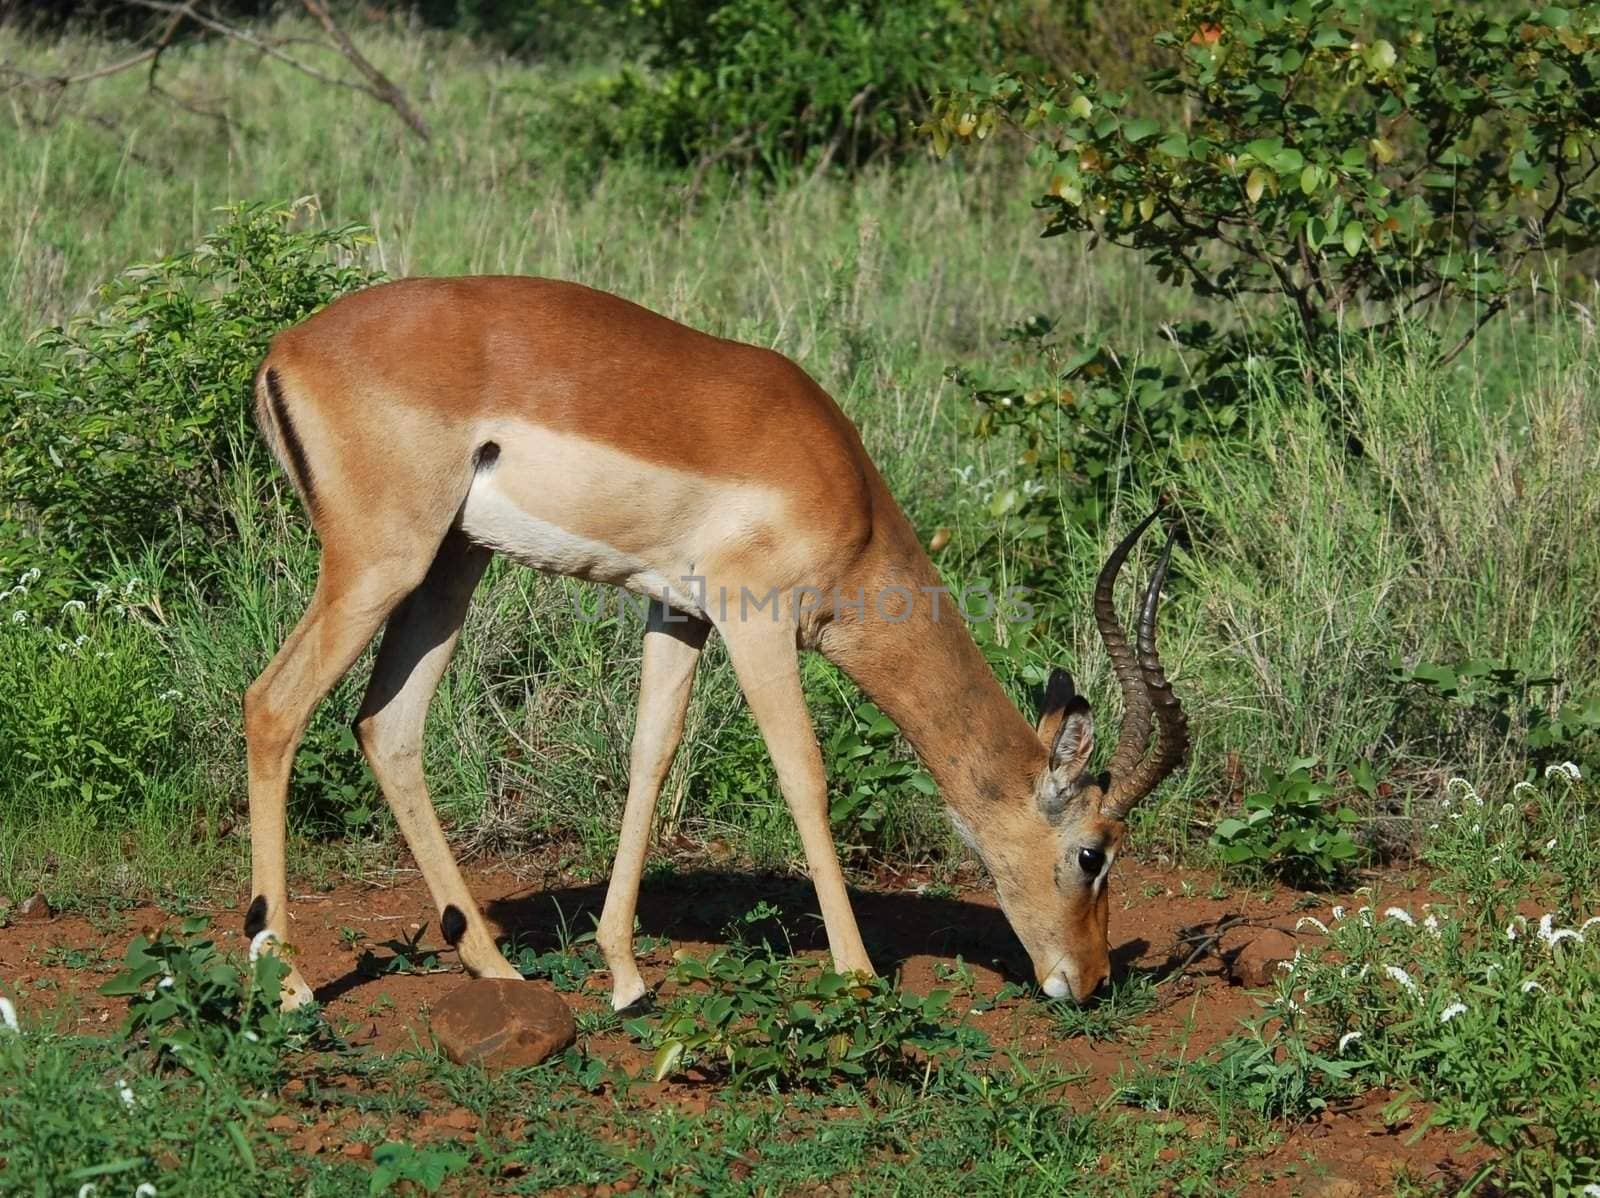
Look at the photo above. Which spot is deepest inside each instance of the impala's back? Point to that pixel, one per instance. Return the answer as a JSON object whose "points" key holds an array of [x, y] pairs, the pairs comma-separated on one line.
{"points": [[572, 430]]}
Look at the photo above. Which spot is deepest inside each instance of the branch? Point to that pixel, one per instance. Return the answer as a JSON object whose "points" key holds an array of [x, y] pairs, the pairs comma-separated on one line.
{"points": [[1491, 310], [374, 82], [379, 85]]}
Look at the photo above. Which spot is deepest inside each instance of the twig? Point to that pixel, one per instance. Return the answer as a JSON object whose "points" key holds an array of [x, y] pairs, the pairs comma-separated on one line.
{"points": [[373, 82], [380, 86]]}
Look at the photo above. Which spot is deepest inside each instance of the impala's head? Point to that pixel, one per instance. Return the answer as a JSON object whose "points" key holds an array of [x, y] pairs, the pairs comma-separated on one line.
{"points": [[1054, 879]]}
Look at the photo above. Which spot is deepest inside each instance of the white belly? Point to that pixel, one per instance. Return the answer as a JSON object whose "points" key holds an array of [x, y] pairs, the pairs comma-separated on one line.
{"points": [[492, 517]]}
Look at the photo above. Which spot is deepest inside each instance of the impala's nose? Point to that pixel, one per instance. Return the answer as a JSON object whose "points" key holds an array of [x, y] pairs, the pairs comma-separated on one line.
{"points": [[1082, 989]]}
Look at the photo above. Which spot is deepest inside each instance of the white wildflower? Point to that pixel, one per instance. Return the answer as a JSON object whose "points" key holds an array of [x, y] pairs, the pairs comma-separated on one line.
{"points": [[1511, 930], [1366, 915], [169, 696], [63, 647], [1530, 986], [145, 1190], [102, 593], [1550, 844], [1346, 1040], [87, 1190], [8, 1016], [124, 1092], [1584, 927], [1338, 912], [74, 606], [1432, 925], [1401, 976], [1313, 922], [1450, 1012], [166, 983], [252, 1037], [1569, 768], [259, 941], [1591, 1191], [1402, 915], [80, 640], [1552, 935], [128, 588], [19, 616], [29, 578]]}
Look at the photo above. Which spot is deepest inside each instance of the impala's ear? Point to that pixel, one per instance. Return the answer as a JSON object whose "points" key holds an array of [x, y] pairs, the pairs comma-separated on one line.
{"points": [[1070, 749], [1058, 692]]}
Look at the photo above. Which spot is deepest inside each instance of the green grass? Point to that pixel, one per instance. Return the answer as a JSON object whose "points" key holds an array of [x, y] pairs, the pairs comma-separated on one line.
{"points": [[789, 1076]]}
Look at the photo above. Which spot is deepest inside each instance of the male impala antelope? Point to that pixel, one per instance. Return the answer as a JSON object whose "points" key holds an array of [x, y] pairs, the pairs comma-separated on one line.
{"points": [[431, 422]]}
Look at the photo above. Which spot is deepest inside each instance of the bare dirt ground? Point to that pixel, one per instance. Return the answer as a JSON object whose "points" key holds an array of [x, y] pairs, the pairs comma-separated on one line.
{"points": [[1160, 924]]}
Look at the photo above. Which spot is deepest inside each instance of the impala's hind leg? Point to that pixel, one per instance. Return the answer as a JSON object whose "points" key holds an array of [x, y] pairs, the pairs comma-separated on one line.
{"points": [[352, 598], [672, 645], [417, 646]]}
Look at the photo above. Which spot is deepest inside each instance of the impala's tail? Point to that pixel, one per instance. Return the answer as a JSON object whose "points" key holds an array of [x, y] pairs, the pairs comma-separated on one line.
{"points": [[278, 429]]}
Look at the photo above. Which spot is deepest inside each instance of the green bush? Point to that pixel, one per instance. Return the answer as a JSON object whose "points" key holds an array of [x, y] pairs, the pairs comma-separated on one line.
{"points": [[1289, 829], [779, 1021], [120, 427], [1364, 164], [789, 84], [200, 1012], [90, 705], [1537, 711]]}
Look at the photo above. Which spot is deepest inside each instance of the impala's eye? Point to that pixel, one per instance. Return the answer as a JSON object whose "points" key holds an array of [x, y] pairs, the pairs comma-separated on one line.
{"points": [[1091, 861]]}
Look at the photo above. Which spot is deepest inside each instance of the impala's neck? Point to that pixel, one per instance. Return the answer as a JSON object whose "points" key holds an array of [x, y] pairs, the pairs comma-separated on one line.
{"points": [[930, 678]]}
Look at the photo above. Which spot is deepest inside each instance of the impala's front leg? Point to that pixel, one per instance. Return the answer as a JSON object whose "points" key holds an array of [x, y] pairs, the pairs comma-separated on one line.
{"points": [[767, 663], [672, 645]]}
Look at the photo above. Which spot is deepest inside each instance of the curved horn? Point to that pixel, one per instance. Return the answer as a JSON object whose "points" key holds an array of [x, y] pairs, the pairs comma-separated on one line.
{"points": [[1172, 727], [1136, 711]]}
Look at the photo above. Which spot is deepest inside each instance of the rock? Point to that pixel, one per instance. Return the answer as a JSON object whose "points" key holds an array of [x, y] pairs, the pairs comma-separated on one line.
{"points": [[1256, 964], [503, 1024], [34, 908], [1338, 1187]]}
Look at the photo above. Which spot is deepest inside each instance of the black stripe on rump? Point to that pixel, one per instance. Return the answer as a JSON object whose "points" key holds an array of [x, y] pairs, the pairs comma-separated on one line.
{"points": [[299, 466]]}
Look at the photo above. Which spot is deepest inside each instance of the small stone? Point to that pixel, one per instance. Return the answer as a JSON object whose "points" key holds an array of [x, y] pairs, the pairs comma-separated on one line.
{"points": [[33, 909], [1256, 964], [459, 1120], [357, 1150], [282, 1123], [502, 1024], [1338, 1187]]}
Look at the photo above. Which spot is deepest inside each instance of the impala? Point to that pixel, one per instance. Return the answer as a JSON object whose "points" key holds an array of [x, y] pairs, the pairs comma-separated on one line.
{"points": [[428, 423]]}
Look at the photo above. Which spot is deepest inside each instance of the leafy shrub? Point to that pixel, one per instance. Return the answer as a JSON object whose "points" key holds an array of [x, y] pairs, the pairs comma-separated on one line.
{"points": [[780, 1021], [868, 771], [198, 1011], [783, 84], [1289, 830], [120, 426], [1528, 707], [1078, 423], [587, 29], [396, 1164], [89, 701], [1346, 159]]}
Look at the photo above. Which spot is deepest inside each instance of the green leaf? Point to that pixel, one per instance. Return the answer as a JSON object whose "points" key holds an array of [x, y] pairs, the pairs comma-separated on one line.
{"points": [[1354, 239], [668, 1057], [1140, 129]]}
